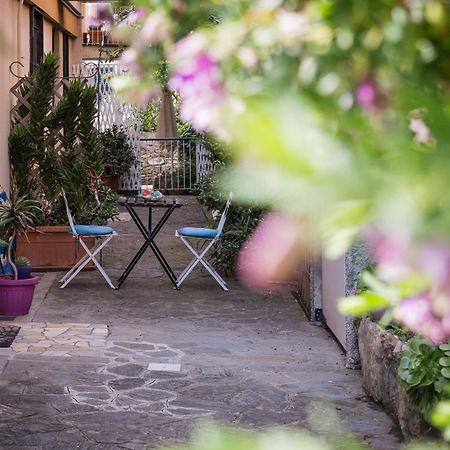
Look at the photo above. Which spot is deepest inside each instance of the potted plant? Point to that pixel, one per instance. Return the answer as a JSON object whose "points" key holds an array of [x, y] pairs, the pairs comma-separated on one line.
{"points": [[17, 216], [23, 268], [44, 161], [118, 157]]}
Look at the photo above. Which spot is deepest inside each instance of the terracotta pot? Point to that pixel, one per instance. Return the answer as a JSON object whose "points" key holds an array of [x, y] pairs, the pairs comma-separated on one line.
{"points": [[111, 181], [52, 248], [16, 296]]}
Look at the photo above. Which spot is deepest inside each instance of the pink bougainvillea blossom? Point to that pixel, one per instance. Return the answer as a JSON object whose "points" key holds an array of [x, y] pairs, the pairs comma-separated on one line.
{"points": [[418, 315], [367, 96], [154, 30], [421, 132], [136, 16], [272, 253], [129, 60], [103, 15], [427, 312], [198, 80]]}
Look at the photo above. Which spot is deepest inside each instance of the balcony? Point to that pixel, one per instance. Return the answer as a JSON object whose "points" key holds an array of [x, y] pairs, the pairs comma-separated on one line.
{"points": [[100, 38]]}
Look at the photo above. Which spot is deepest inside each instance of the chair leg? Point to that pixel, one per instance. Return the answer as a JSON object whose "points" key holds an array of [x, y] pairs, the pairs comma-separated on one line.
{"points": [[97, 264], [64, 278], [200, 258], [214, 273], [194, 262], [90, 256]]}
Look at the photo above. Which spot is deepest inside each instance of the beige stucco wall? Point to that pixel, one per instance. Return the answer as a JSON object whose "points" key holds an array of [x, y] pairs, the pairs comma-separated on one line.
{"points": [[14, 33], [9, 53]]}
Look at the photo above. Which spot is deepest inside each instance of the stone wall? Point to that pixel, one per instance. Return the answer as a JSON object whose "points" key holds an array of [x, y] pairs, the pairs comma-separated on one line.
{"points": [[380, 352]]}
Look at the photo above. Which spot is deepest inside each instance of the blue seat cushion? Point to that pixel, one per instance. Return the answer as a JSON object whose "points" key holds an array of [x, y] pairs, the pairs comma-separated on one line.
{"points": [[92, 230], [206, 233]]}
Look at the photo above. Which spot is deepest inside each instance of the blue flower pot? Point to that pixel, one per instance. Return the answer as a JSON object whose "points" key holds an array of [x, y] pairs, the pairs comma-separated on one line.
{"points": [[24, 272]]}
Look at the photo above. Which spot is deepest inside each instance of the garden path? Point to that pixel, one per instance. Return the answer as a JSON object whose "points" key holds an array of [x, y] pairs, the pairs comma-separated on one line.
{"points": [[94, 368]]}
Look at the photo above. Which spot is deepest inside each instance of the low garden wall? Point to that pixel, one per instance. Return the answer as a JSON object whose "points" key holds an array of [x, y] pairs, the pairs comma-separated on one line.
{"points": [[380, 354]]}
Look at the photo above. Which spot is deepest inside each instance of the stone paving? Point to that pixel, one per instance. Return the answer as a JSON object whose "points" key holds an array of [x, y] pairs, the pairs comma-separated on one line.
{"points": [[94, 368]]}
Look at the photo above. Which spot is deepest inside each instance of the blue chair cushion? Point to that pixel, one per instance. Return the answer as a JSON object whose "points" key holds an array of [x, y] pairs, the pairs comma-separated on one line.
{"points": [[206, 233], [92, 230]]}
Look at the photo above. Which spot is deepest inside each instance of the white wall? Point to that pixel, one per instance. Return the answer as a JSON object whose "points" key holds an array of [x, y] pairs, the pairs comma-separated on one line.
{"points": [[333, 287]]}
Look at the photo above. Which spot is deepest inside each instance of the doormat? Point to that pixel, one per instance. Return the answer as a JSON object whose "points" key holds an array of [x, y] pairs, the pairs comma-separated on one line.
{"points": [[7, 335]]}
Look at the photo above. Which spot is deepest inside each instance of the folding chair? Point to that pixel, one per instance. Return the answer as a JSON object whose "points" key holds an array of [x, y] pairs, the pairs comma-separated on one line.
{"points": [[101, 234], [211, 236]]}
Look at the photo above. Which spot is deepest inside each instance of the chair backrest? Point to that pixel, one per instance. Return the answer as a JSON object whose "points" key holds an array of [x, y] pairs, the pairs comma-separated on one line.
{"points": [[223, 217], [69, 214]]}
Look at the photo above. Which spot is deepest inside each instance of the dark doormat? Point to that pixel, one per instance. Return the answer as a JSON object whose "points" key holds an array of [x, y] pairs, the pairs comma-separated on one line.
{"points": [[7, 335]]}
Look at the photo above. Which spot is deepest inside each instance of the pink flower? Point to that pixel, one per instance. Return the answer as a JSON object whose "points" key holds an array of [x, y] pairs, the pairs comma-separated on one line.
{"points": [[103, 15], [366, 96], [154, 30], [428, 312], [417, 314], [129, 60], [274, 252], [198, 80], [421, 132], [391, 253], [136, 15]]}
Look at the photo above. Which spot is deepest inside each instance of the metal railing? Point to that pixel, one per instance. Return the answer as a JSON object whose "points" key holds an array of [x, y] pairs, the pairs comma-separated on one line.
{"points": [[173, 164], [100, 37]]}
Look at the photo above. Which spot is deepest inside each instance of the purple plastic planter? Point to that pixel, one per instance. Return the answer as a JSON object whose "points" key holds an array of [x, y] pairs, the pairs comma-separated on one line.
{"points": [[16, 296]]}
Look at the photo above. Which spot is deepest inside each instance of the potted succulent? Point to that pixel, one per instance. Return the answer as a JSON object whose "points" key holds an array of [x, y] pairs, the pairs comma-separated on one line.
{"points": [[23, 268], [17, 216], [118, 157]]}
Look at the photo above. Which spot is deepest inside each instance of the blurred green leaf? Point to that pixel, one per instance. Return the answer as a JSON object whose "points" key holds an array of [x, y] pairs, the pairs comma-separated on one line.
{"points": [[359, 305]]}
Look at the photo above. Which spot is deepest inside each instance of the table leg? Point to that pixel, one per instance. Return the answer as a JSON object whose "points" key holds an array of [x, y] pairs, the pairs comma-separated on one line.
{"points": [[149, 234], [132, 263], [164, 264]]}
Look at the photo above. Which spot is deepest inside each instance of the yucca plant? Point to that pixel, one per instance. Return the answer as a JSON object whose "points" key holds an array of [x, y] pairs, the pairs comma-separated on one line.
{"points": [[18, 214]]}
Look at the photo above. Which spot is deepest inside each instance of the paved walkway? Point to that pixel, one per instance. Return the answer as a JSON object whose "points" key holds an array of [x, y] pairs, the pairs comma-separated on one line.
{"points": [[94, 368]]}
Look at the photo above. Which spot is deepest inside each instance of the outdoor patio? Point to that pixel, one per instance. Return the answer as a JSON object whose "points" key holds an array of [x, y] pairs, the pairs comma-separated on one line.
{"points": [[79, 374]]}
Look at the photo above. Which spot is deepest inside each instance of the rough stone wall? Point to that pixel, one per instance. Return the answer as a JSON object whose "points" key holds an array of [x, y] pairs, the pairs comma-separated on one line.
{"points": [[380, 352], [357, 259]]}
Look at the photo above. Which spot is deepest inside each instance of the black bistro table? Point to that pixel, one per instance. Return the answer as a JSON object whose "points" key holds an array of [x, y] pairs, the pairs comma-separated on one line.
{"points": [[149, 232]]}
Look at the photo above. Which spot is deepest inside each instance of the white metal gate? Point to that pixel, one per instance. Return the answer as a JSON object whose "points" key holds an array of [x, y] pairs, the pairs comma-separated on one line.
{"points": [[174, 164], [112, 111], [171, 164]]}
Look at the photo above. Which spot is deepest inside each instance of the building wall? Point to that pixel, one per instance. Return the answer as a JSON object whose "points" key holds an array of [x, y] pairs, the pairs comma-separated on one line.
{"points": [[10, 23], [15, 46]]}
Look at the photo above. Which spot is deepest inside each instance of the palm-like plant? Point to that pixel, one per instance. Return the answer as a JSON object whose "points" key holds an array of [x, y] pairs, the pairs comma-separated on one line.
{"points": [[18, 214]]}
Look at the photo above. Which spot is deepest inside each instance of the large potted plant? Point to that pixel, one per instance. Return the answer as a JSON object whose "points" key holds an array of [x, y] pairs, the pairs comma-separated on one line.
{"points": [[118, 157], [54, 145], [18, 214]]}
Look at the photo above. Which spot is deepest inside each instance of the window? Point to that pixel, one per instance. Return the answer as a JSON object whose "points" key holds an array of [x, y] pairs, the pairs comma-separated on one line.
{"points": [[66, 55], [36, 38]]}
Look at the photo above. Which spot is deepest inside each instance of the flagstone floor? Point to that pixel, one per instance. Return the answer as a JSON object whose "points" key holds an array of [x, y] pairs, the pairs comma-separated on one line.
{"points": [[94, 368]]}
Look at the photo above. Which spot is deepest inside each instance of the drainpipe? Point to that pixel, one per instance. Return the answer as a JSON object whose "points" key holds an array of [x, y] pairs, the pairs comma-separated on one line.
{"points": [[19, 35]]}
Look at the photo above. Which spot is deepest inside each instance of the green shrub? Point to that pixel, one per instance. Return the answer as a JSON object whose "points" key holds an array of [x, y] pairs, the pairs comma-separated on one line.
{"points": [[241, 222], [55, 146], [117, 154]]}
